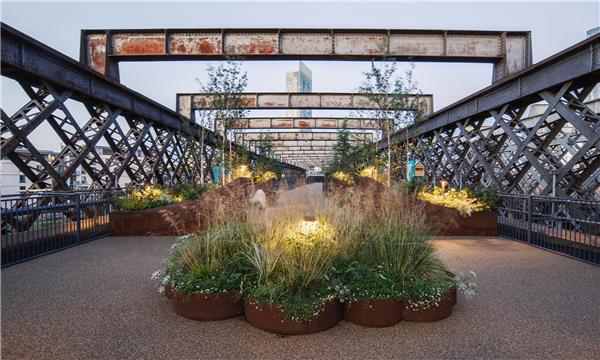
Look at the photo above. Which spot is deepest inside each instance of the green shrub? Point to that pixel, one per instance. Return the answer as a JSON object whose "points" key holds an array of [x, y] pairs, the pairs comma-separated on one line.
{"points": [[210, 262], [153, 196]]}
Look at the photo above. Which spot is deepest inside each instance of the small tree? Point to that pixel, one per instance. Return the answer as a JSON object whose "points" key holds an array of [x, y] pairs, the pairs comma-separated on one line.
{"points": [[265, 168], [348, 157], [225, 85], [390, 96]]}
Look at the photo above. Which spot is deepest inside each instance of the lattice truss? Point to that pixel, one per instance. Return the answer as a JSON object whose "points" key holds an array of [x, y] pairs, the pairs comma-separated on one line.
{"points": [[143, 151], [505, 150]]}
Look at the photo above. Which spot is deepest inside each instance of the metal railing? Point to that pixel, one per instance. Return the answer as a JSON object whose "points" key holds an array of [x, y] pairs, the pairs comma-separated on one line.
{"points": [[568, 226], [40, 223]]}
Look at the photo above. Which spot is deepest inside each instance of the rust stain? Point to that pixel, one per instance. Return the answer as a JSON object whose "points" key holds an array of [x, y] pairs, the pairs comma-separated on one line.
{"points": [[282, 124], [249, 101], [329, 124], [303, 124], [147, 45], [194, 45], [97, 52]]}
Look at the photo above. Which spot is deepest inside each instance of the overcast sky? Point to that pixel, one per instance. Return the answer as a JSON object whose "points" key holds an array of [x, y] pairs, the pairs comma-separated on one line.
{"points": [[554, 26]]}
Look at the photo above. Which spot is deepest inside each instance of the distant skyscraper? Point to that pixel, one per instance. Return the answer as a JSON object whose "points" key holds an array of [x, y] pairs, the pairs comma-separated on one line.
{"points": [[299, 81]]}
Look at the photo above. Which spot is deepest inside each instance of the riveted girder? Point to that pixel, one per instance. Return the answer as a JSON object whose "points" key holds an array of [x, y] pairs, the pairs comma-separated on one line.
{"points": [[509, 51], [147, 142], [187, 103], [304, 123], [489, 139], [277, 136]]}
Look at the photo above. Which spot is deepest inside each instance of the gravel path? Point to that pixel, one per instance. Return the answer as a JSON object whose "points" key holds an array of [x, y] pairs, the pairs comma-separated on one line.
{"points": [[96, 301]]}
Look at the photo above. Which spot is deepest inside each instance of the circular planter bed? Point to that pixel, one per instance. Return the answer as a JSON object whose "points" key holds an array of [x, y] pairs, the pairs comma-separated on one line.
{"points": [[374, 313], [272, 318], [207, 306], [432, 312]]}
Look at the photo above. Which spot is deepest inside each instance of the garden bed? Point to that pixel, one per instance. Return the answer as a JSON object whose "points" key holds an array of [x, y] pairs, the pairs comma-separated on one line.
{"points": [[272, 318], [207, 307], [181, 218], [449, 222]]}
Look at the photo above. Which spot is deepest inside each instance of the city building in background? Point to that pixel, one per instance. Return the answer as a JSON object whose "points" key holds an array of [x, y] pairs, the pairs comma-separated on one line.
{"points": [[299, 81], [13, 181]]}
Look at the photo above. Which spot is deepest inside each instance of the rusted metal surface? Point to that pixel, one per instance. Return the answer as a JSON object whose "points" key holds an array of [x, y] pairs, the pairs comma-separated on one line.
{"points": [[187, 103], [240, 137], [508, 51]]}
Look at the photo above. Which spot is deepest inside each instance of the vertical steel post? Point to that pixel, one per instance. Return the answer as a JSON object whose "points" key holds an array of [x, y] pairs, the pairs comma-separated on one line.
{"points": [[529, 213], [78, 209]]}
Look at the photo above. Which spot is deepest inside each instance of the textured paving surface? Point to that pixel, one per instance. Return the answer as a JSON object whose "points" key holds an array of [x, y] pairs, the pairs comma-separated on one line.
{"points": [[96, 301]]}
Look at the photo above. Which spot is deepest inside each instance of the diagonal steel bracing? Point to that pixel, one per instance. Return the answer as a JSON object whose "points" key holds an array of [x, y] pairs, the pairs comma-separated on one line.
{"points": [[489, 140]]}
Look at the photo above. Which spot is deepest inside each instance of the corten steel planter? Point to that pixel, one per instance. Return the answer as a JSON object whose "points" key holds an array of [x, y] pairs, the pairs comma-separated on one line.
{"points": [[169, 291], [207, 306], [374, 313], [183, 218], [448, 222], [173, 219], [432, 313], [272, 318]]}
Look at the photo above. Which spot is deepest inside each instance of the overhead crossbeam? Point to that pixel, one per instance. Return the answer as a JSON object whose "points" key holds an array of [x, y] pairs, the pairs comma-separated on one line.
{"points": [[488, 140], [276, 136], [187, 103], [305, 123], [149, 142], [509, 51]]}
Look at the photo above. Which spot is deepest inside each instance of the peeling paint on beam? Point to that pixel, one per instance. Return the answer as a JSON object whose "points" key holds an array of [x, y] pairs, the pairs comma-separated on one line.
{"points": [[299, 136], [187, 103], [304, 123], [509, 51]]}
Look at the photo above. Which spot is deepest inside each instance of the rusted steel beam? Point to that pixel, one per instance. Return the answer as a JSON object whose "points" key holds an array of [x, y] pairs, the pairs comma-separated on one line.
{"points": [[35, 65], [240, 137], [579, 63], [509, 51], [312, 143], [304, 123], [187, 103]]}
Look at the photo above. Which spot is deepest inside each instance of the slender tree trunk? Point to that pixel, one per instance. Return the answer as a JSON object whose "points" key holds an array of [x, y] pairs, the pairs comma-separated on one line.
{"points": [[389, 167], [223, 160], [230, 161], [202, 157]]}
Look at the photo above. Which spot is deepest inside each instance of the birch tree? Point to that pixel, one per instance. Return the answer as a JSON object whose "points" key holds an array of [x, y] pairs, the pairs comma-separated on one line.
{"points": [[390, 95], [225, 85]]}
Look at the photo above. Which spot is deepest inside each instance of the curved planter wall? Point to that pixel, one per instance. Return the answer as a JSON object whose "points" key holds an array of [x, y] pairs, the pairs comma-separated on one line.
{"points": [[448, 222], [271, 318], [207, 306], [374, 313], [432, 313], [178, 219]]}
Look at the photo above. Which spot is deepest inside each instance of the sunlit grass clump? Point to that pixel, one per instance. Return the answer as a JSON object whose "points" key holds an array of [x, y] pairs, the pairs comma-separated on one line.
{"points": [[303, 253], [153, 196], [461, 200]]}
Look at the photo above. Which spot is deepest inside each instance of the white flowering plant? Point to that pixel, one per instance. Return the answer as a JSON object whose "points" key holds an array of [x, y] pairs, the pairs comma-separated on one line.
{"points": [[207, 263], [423, 292]]}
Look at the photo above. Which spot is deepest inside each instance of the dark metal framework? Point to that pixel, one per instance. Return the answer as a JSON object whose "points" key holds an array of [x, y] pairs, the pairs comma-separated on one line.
{"points": [[565, 225], [509, 51], [487, 140], [149, 142], [66, 219]]}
